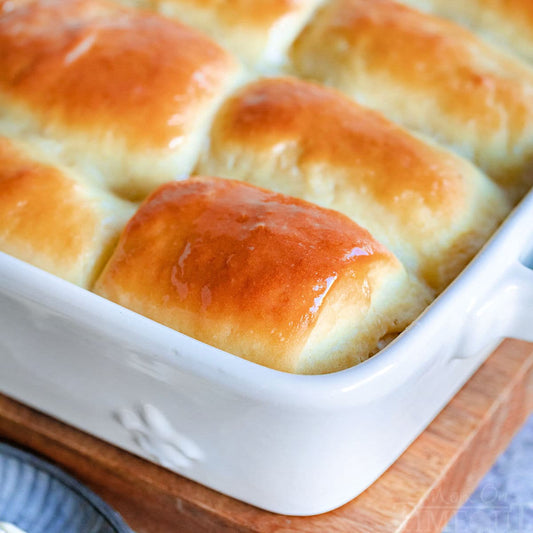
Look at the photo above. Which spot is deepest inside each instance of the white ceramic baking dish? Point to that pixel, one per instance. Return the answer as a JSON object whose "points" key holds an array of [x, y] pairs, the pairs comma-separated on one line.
{"points": [[290, 444]]}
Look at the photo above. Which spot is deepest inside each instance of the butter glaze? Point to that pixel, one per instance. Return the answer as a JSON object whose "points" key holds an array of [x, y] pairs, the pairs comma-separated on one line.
{"points": [[245, 247], [124, 93], [94, 65], [429, 75], [243, 268], [308, 124], [52, 219], [507, 23]]}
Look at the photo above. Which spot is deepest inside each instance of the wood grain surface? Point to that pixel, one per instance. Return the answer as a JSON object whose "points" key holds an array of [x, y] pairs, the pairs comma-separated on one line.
{"points": [[419, 493]]}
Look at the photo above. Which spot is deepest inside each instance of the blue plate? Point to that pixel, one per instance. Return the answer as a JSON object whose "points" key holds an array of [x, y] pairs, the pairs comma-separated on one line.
{"points": [[38, 497]]}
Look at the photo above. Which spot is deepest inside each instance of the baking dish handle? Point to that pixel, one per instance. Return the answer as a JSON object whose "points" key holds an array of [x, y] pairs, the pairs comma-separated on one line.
{"points": [[517, 301]]}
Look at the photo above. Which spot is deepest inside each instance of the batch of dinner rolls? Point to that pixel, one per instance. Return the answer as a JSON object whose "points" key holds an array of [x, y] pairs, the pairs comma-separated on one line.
{"points": [[291, 181]]}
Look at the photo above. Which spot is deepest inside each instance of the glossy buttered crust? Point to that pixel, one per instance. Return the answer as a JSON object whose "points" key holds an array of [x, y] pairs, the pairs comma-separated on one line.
{"points": [[430, 75], [507, 23], [258, 32], [51, 219], [270, 278], [126, 92], [432, 208]]}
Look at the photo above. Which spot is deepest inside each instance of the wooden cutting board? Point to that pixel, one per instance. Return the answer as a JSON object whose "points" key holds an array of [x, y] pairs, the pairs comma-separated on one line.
{"points": [[419, 493]]}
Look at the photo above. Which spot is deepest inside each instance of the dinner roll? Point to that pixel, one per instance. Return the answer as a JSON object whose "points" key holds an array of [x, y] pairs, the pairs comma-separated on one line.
{"points": [[429, 206], [267, 277], [506, 23], [430, 75], [125, 94], [257, 32], [50, 218]]}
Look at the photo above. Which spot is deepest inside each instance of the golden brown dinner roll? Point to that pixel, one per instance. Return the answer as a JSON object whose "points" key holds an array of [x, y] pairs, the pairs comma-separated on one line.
{"points": [[432, 208], [506, 23], [51, 219], [270, 278], [430, 75], [258, 32], [128, 95]]}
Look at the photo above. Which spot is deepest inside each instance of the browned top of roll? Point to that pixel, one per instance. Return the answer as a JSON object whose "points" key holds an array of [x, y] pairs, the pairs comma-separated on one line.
{"points": [[246, 12], [273, 114], [502, 22], [93, 65], [431, 55], [52, 221], [242, 268]]}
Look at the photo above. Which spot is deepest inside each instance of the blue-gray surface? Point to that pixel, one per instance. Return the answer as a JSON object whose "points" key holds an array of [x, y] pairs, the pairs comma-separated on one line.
{"points": [[503, 501]]}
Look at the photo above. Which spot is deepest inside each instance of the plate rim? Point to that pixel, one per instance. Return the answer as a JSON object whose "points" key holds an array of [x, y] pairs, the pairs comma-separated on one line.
{"points": [[109, 514]]}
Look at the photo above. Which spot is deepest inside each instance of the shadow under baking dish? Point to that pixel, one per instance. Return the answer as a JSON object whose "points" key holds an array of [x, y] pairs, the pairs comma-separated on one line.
{"points": [[38, 497]]}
